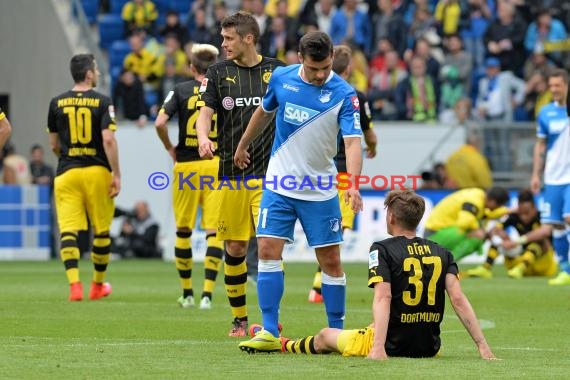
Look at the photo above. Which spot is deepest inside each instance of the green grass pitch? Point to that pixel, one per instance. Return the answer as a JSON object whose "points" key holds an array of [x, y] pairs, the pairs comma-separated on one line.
{"points": [[139, 332]]}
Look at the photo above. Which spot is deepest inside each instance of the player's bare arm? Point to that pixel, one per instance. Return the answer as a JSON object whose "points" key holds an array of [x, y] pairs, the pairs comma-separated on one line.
{"points": [[354, 168], [467, 315], [381, 314], [54, 144], [371, 141], [162, 132], [5, 131], [206, 146], [538, 234], [258, 122], [112, 153], [537, 164]]}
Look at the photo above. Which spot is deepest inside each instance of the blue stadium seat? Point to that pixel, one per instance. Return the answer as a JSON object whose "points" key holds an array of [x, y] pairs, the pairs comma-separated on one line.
{"points": [[115, 74], [181, 6], [91, 8], [118, 52], [151, 98], [111, 29], [162, 6], [117, 6]]}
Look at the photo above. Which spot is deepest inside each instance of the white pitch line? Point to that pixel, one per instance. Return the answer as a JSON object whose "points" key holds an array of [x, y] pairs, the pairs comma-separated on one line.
{"points": [[526, 349], [116, 344]]}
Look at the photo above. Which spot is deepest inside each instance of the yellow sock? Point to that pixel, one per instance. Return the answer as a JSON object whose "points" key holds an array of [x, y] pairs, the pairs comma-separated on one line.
{"points": [[317, 281], [100, 256], [69, 253], [183, 260], [235, 270], [302, 346], [212, 264]]}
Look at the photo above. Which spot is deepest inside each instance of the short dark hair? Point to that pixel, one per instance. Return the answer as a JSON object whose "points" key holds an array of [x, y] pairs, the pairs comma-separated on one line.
{"points": [[317, 45], [559, 73], [79, 65], [243, 23], [407, 207], [342, 56], [525, 195], [499, 195], [203, 56], [36, 146]]}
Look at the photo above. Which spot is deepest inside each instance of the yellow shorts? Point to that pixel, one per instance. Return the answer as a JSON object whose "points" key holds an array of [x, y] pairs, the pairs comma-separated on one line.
{"points": [[544, 265], [82, 193], [186, 198], [355, 342], [346, 211], [238, 210]]}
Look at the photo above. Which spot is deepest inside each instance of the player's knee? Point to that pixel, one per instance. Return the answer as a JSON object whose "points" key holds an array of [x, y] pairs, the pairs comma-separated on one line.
{"points": [[323, 341], [236, 248], [269, 249]]}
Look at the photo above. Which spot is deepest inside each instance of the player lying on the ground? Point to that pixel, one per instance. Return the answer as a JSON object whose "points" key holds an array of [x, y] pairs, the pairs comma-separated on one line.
{"points": [[527, 250], [410, 276]]}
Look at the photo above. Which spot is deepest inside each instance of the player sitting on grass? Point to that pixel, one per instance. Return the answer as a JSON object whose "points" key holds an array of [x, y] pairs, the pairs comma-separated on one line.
{"points": [[529, 253], [409, 275]]}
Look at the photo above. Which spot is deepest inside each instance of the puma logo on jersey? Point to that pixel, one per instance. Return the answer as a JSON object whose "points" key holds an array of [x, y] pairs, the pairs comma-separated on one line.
{"points": [[230, 79]]}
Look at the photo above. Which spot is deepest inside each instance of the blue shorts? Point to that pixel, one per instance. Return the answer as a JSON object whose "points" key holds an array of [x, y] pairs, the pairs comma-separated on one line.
{"points": [[321, 220], [556, 204]]}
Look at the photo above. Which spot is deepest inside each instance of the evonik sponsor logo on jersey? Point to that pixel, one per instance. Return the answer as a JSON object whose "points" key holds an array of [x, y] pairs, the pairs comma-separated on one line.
{"points": [[230, 103], [297, 115]]}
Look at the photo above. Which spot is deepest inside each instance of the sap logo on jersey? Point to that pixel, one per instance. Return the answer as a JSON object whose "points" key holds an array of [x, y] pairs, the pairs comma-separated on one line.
{"points": [[297, 115], [229, 103]]}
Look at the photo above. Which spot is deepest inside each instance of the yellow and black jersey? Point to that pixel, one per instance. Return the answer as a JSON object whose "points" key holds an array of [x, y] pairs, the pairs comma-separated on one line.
{"points": [[416, 270], [234, 92], [2, 114], [186, 100], [79, 119], [463, 208], [365, 123], [513, 220]]}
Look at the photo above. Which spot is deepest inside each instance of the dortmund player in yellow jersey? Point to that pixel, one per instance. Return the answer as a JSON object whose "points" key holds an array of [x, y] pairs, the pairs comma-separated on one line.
{"points": [[5, 129], [410, 276], [531, 253], [81, 125], [456, 221], [186, 100]]}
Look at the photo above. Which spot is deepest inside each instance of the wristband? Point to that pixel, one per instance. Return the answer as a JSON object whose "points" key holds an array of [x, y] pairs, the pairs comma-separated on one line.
{"points": [[523, 240]]}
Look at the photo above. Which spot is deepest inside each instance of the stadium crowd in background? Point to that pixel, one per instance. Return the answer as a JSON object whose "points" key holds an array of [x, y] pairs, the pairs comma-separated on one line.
{"points": [[399, 42]]}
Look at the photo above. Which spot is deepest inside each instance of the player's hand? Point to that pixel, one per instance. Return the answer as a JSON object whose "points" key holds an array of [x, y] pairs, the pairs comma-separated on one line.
{"points": [[206, 149], [353, 197], [535, 184], [115, 187], [509, 244], [370, 151], [241, 158], [486, 353], [377, 354]]}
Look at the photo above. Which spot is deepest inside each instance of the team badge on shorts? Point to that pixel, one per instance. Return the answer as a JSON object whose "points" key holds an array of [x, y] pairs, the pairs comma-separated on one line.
{"points": [[335, 225]]}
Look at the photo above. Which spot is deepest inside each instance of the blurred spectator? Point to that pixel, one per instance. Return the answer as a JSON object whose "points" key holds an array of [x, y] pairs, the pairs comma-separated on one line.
{"points": [[504, 38], [412, 6], [537, 62], [452, 91], [140, 61], [417, 95], [359, 75], [422, 49], [459, 59], [422, 23], [275, 42], [172, 55], [383, 84], [390, 25], [258, 12], [42, 174], [220, 11], [139, 14], [292, 25], [475, 19], [173, 27], [544, 29], [447, 15], [537, 94], [429, 181], [467, 167], [139, 234], [128, 97], [319, 13], [201, 34], [291, 57], [440, 173], [15, 167], [351, 26], [169, 80], [292, 7], [499, 92]]}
